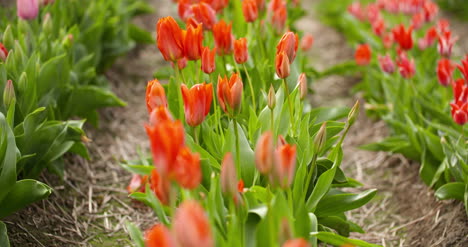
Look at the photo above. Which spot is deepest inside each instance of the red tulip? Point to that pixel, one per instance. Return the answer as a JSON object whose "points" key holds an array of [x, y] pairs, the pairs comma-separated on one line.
{"points": [[27, 9], [197, 102], [276, 4], [306, 42], [444, 71], [208, 60], [217, 5], [285, 163], [170, 39], [417, 20], [406, 66], [302, 84], [300, 242], [403, 36], [288, 44], [250, 10], [187, 170], [386, 64], [193, 42], [203, 13], [464, 67], [460, 91], [223, 38], [460, 112], [373, 13], [430, 10], [387, 41], [155, 95], [191, 226], [378, 27], [3, 52], [443, 26], [159, 236], [228, 176], [138, 183], [282, 65], [363, 54], [160, 186], [279, 17], [230, 93], [428, 39], [446, 43], [241, 53], [166, 139], [264, 151]]}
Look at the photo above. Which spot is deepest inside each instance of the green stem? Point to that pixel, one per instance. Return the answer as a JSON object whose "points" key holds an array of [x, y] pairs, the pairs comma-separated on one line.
{"points": [[290, 199], [179, 93], [251, 88], [224, 67], [310, 174], [272, 121], [291, 114], [195, 134], [236, 133], [198, 67]]}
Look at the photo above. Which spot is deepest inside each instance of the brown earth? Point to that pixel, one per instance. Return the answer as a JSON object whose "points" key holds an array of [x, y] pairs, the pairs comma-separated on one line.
{"points": [[91, 206]]}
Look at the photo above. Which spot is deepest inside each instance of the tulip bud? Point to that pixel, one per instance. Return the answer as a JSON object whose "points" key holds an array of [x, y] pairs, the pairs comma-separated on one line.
{"points": [[264, 153], [228, 176], [241, 54], [9, 94], [320, 139], [306, 42], [23, 82], [353, 114], [271, 98], [47, 24], [27, 9], [250, 10], [302, 81], [67, 41], [8, 40], [155, 95], [285, 164], [282, 65], [3, 52], [208, 60]]}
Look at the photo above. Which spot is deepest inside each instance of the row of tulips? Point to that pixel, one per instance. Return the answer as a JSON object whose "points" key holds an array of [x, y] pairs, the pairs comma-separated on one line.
{"points": [[242, 160], [52, 54], [412, 81]]}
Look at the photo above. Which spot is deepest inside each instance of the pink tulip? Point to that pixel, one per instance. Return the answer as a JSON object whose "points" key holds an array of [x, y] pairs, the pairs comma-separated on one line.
{"points": [[27, 9]]}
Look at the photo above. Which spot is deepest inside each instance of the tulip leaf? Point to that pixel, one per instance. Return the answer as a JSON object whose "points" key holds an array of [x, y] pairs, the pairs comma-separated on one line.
{"points": [[339, 203], [135, 234], [455, 190], [337, 240], [321, 188], [4, 235], [138, 169], [7, 158]]}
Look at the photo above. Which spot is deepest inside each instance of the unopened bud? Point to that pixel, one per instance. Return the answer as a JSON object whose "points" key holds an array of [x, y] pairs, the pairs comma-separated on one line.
{"points": [[8, 40], [23, 82], [321, 138], [9, 94], [228, 176], [302, 81], [68, 41], [353, 114], [47, 25], [271, 98]]}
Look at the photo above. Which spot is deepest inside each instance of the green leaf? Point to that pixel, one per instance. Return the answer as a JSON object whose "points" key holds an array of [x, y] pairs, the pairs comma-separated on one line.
{"points": [[23, 193], [138, 169], [323, 114], [135, 234], [321, 188], [454, 190], [3, 235], [337, 240], [8, 161], [336, 204], [140, 35]]}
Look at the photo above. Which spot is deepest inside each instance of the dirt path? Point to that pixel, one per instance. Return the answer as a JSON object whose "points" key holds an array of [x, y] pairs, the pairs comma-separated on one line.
{"points": [[405, 212]]}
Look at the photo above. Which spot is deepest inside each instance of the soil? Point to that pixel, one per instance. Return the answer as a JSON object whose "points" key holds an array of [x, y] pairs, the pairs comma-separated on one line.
{"points": [[90, 207]]}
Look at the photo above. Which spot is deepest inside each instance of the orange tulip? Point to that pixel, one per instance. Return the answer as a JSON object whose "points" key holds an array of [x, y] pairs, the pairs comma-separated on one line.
{"points": [[228, 176], [193, 42], [203, 13], [197, 102], [363, 55], [223, 37], [260, 4], [160, 186], [187, 170], [208, 60], [282, 65], [279, 17], [306, 42], [288, 43], [230, 93], [285, 164], [250, 10], [300, 242], [170, 39], [159, 114], [217, 5], [166, 139], [191, 226], [159, 236], [302, 83], [264, 151], [155, 95], [241, 54]]}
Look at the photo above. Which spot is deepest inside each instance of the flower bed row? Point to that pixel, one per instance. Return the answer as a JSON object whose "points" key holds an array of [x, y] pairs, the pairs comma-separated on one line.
{"points": [[242, 160], [412, 81], [52, 55]]}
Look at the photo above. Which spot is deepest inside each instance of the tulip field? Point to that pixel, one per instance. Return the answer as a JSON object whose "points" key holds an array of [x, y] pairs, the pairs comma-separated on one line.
{"points": [[247, 123]]}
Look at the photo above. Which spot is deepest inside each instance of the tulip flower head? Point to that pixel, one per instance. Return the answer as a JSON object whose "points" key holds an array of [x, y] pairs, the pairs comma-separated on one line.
{"points": [[193, 42], [288, 44], [406, 66], [446, 43], [250, 10], [430, 10], [279, 17], [170, 39], [403, 36], [306, 42], [356, 10], [444, 71], [160, 186], [264, 153], [228, 176], [302, 84], [460, 91], [464, 67], [241, 53], [191, 226], [223, 38], [386, 64], [300, 242], [459, 112], [363, 55], [197, 102], [160, 114], [378, 27], [159, 236], [284, 164], [3, 52], [217, 5], [208, 64], [187, 170], [27, 9], [428, 39], [205, 14], [282, 65], [155, 95], [230, 93]]}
